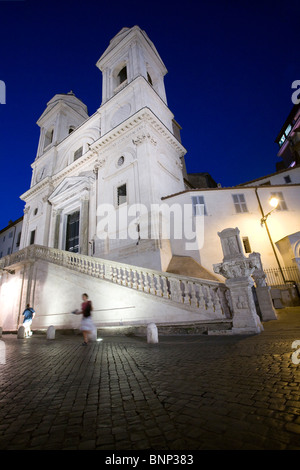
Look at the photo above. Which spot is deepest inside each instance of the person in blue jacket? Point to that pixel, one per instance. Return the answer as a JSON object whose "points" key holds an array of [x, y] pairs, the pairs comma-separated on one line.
{"points": [[29, 314]]}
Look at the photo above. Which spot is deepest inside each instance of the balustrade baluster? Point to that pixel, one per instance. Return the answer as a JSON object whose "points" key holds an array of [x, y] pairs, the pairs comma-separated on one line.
{"points": [[202, 303], [134, 280], [141, 281], [165, 292], [96, 269], [218, 306], [83, 267], [101, 270], [146, 283], [124, 277], [88, 268], [129, 277], [210, 304], [175, 290], [159, 291], [119, 275], [194, 300], [113, 273], [152, 285], [186, 297]]}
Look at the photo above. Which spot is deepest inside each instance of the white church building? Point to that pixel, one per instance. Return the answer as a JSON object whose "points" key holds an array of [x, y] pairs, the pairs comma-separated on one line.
{"points": [[110, 211]]}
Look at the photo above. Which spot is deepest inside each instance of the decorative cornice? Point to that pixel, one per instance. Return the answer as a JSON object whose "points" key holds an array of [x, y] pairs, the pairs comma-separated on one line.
{"points": [[45, 183], [145, 115], [144, 138]]}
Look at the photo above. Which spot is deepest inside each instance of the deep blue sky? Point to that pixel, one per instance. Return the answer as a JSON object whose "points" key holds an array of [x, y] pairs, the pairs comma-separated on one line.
{"points": [[230, 66]]}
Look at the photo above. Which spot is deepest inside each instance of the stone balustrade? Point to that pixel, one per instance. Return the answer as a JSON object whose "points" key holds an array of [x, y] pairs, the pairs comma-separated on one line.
{"points": [[191, 293]]}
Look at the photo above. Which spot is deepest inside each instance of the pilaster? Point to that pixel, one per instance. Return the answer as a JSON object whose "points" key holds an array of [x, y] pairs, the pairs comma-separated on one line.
{"points": [[84, 225], [57, 215]]}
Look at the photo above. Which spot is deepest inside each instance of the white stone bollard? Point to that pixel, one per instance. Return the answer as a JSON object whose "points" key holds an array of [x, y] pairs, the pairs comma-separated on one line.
{"points": [[51, 332], [21, 332], [2, 353], [152, 333]]}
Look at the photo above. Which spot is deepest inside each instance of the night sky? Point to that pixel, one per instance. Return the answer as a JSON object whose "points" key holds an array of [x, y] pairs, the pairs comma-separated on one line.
{"points": [[230, 65]]}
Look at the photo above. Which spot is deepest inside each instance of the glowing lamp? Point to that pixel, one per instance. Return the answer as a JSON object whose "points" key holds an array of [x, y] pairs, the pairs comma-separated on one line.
{"points": [[274, 202]]}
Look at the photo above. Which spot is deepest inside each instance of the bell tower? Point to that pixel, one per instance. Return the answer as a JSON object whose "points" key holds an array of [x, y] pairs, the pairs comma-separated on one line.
{"points": [[133, 78], [63, 114], [131, 54], [140, 158]]}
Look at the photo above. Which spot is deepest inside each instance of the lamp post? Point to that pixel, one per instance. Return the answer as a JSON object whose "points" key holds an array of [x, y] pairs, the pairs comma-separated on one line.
{"points": [[274, 203]]}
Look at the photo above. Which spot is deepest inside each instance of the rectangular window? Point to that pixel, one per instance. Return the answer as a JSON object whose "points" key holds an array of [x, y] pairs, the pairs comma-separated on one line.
{"points": [[10, 235], [281, 205], [288, 130], [239, 203], [246, 244], [121, 194], [287, 179], [78, 153], [32, 237], [18, 239], [198, 205], [9, 250], [72, 235], [282, 140]]}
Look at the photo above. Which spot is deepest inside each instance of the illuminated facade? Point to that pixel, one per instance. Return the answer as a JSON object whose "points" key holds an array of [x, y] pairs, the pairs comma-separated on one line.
{"points": [[244, 207], [127, 153]]}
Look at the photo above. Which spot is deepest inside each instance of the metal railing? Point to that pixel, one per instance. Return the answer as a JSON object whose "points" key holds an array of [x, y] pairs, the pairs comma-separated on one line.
{"points": [[274, 276]]}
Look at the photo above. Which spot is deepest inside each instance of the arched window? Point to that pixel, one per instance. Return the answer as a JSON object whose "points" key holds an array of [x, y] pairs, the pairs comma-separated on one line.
{"points": [[149, 79], [122, 75], [48, 137]]}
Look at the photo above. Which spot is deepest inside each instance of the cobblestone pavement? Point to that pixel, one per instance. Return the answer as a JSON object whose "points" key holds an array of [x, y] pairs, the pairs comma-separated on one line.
{"points": [[187, 392]]}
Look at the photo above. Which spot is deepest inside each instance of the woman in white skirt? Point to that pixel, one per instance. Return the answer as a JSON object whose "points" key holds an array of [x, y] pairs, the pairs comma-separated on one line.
{"points": [[86, 325]]}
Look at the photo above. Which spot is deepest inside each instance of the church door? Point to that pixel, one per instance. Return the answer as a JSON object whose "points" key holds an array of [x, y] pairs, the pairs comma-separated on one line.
{"points": [[72, 238]]}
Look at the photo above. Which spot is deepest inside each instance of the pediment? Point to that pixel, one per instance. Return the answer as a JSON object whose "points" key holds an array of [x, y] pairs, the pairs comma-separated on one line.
{"points": [[70, 187]]}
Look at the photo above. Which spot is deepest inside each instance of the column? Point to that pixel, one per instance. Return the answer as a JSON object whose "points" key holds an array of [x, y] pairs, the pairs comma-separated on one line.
{"points": [[47, 219], [84, 225], [57, 215]]}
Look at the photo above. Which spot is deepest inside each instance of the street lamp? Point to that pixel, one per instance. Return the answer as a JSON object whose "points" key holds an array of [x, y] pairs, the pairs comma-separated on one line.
{"points": [[274, 201]]}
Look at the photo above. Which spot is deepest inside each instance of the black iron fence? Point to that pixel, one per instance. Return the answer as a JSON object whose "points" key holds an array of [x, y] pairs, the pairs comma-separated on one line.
{"points": [[275, 278]]}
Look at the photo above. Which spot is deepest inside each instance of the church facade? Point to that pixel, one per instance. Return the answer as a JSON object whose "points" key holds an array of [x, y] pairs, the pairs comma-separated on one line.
{"points": [[125, 155]]}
